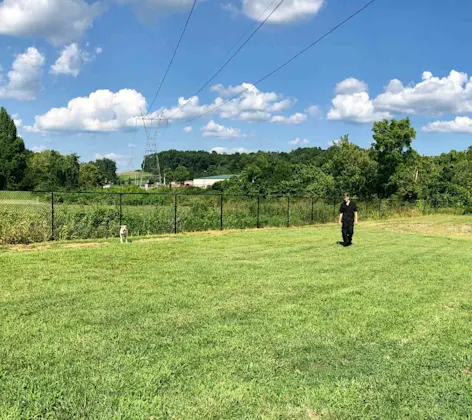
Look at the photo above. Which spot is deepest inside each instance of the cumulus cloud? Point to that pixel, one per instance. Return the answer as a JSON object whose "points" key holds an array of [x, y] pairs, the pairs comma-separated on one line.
{"points": [[213, 129], [98, 50], [131, 145], [58, 21], [432, 96], [188, 129], [351, 86], [229, 151], [251, 106], [71, 61], [299, 142], [101, 111], [295, 119], [352, 103], [289, 12], [458, 125], [24, 77]]}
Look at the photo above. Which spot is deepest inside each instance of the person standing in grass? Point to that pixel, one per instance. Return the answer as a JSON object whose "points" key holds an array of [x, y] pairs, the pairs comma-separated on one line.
{"points": [[347, 219]]}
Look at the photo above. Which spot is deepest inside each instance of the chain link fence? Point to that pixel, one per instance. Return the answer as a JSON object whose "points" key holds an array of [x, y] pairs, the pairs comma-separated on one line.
{"points": [[27, 217]]}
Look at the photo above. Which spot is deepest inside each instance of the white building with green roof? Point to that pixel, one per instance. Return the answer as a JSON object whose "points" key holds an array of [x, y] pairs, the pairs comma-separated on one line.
{"points": [[208, 181]]}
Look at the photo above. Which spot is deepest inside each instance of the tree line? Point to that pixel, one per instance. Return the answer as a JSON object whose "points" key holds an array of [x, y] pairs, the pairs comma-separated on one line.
{"points": [[22, 169], [389, 168]]}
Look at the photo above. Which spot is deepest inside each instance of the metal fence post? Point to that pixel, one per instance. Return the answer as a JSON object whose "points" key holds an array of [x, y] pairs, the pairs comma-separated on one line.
{"points": [[312, 210], [52, 215], [175, 213], [258, 211], [288, 211], [121, 209], [221, 212]]}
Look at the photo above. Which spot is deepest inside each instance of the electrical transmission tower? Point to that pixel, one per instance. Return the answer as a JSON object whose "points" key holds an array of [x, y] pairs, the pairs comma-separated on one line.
{"points": [[152, 124]]}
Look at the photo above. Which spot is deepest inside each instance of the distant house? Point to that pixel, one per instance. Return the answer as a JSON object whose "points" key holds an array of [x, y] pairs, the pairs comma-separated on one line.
{"points": [[208, 181]]}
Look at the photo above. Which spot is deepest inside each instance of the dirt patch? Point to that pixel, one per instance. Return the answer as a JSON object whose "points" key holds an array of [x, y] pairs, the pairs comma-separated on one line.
{"points": [[468, 371], [23, 248], [152, 240], [88, 245]]}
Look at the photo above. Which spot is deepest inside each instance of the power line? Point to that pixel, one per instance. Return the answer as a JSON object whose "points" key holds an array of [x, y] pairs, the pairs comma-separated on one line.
{"points": [[282, 65], [229, 60], [173, 56]]}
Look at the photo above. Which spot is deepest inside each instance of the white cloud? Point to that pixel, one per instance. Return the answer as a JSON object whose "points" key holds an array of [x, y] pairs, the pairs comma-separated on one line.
{"points": [[295, 119], [231, 90], [213, 129], [251, 106], [458, 125], [290, 11], [24, 78], [131, 145], [58, 21], [354, 104], [101, 111], [299, 142], [351, 86], [229, 151], [71, 61], [188, 129], [17, 120], [432, 96], [39, 149], [313, 110], [98, 50]]}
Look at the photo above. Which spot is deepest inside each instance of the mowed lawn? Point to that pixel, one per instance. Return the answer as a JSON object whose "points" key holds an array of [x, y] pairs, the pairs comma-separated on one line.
{"points": [[269, 324]]}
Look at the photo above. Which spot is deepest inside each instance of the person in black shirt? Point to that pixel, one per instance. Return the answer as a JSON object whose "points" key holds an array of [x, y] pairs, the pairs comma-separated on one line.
{"points": [[347, 219]]}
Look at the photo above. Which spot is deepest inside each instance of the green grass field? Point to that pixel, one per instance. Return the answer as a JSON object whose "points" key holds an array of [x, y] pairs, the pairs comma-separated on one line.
{"points": [[272, 324], [134, 175]]}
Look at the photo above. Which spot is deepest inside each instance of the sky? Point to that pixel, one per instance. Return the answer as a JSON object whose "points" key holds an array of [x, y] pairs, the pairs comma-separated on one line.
{"points": [[78, 75]]}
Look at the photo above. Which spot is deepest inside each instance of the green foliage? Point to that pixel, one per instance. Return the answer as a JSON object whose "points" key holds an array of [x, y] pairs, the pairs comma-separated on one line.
{"points": [[49, 171], [390, 168], [107, 170], [13, 154], [390, 149]]}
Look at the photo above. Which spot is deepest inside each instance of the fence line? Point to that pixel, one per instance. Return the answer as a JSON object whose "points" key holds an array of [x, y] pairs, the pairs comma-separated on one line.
{"points": [[53, 215]]}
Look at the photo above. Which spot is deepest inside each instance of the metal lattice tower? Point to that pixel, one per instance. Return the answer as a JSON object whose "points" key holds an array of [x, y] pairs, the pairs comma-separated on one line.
{"points": [[152, 124]]}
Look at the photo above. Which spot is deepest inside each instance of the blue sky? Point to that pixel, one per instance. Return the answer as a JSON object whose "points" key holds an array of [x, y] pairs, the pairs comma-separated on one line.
{"points": [[78, 74]]}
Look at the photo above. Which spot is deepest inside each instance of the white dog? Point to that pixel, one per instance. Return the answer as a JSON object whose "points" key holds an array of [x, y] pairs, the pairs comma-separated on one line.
{"points": [[124, 233]]}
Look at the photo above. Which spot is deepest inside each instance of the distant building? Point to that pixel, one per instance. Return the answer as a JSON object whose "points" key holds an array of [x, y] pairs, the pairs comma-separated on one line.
{"points": [[208, 181]]}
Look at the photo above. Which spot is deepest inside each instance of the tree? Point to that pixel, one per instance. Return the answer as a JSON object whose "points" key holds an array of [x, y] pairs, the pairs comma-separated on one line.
{"points": [[13, 153], [89, 176], [181, 174], [49, 170], [352, 169], [391, 147], [107, 169]]}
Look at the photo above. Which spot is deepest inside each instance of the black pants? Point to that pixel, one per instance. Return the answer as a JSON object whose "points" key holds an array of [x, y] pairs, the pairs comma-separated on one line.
{"points": [[348, 232]]}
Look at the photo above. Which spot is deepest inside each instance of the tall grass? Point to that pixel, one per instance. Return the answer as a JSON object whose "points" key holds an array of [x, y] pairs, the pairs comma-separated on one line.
{"points": [[37, 217]]}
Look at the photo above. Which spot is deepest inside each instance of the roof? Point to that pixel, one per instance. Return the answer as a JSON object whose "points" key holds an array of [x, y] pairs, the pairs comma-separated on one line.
{"points": [[216, 177]]}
